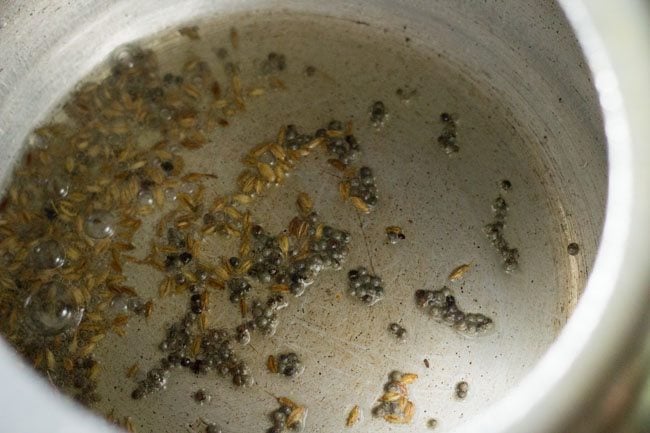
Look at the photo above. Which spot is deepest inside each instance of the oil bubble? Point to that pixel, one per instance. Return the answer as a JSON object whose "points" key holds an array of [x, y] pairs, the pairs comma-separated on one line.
{"points": [[100, 225], [188, 188], [48, 254], [36, 141], [60, 186], [52, 309], [166, 114], [145, 198], [127, 56], [170, 194]]}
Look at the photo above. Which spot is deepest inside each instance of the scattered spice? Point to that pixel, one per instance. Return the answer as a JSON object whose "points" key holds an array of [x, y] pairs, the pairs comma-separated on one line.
{"points": [[448, 138], [394, 405], [461, 389], [361, 190], [458, 272], [441, 305], [191, 32], [397, 330], [272, 364], [289, 415], [394, 234], [310, 71], [201, 396], [364, 286], [353, 416], [377, 113], [494, 231]]}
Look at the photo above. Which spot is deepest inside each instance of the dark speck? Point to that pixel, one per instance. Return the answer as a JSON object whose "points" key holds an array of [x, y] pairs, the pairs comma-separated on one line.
{"points": [[573, 249], [137, 394], [170, 260], [50, 213], [450, 300], [185, 257], [167, 166]]}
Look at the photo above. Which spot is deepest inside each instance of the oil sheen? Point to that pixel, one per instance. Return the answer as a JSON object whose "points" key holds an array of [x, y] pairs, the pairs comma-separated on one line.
{"points": [[262, 209]]}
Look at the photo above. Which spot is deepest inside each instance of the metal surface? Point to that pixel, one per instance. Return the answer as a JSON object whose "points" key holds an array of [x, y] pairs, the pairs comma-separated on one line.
{"points": [[509, 52]]}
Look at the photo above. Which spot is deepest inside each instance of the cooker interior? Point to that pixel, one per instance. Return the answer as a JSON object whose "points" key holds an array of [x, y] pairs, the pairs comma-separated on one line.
{"points": [[525, 112]]}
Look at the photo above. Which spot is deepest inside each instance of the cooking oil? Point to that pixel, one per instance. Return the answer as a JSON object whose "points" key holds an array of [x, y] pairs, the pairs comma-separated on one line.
{"points": [[199, 204]]}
